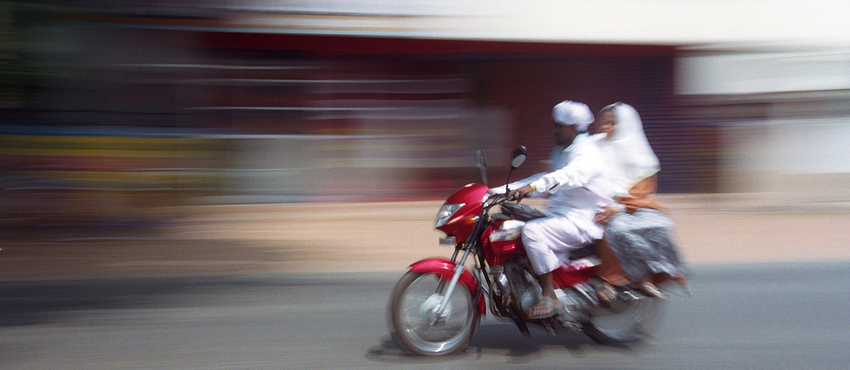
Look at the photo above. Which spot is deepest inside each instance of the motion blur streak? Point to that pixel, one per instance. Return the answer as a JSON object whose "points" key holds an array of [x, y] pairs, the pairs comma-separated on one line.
{"points": [[130, 115], [168, 169]]}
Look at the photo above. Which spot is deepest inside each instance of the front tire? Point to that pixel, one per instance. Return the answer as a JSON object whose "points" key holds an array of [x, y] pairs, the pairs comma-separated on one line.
{"points": [[414, 324], [625, 321]]}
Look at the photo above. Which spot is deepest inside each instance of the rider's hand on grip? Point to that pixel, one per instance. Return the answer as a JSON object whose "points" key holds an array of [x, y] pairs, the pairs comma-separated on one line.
{"points": [[521, 193]]}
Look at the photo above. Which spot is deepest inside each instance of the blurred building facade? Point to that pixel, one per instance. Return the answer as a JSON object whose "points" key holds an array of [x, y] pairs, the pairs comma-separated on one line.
{"points": [[784, 116], [111, 108]]}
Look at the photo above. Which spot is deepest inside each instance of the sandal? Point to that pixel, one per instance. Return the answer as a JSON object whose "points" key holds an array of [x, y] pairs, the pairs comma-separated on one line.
{"points": [[546, 307], [606, 292], [651, 290]]}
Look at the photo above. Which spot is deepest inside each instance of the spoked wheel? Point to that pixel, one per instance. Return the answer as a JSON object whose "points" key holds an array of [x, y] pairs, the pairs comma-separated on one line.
{"points": [[625, 320], [417, 326]]}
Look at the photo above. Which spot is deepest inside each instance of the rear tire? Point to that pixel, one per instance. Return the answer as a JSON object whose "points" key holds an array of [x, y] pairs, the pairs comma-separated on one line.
{"points": [[625, 321], [412, 304]]}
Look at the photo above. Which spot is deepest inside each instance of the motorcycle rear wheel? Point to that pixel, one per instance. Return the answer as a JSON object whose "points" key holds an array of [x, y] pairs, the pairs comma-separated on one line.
{"points": [[415, 326], [625, 321]]}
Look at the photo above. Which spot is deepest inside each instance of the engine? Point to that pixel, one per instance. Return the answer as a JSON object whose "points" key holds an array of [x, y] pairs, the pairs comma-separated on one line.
{"points": [[517, 288]]}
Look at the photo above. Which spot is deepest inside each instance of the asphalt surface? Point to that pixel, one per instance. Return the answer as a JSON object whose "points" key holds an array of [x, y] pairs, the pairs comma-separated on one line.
{"points": [[742, 316], [305, 286]]}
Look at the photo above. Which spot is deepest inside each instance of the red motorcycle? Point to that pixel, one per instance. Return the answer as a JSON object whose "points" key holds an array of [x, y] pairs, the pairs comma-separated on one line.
{"points": [[436, 307]]}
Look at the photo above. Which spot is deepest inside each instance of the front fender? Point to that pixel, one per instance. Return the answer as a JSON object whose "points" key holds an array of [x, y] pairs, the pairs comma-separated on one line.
{"points": [[444, 269]]}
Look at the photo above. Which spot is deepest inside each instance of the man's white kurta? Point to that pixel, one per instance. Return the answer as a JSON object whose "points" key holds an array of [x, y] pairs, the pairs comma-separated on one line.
{"points": [[558, 159], [577, 192]]}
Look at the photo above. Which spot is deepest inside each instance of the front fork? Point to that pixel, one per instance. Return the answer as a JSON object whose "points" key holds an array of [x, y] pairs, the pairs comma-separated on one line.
{"points": [[458, 270], [451, 274], [442, 268]]}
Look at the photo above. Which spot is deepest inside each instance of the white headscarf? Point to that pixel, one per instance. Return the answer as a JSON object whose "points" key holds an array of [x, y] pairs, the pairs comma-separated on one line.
{"points": [[633, 158]]}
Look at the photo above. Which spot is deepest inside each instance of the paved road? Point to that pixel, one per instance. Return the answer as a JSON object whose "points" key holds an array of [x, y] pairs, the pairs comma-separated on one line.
{"points": [[758, 316]]}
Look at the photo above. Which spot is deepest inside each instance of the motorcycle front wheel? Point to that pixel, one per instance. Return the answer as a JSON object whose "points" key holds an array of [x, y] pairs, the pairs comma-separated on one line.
{"points": [[415, 323], [625, 321]]}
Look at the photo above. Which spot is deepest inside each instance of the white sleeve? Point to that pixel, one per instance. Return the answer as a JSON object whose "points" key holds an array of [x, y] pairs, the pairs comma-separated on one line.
{"points": [[517, 184], [581, 169]]}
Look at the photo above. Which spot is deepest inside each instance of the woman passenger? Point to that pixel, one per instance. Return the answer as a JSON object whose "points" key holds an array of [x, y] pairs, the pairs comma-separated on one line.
{"points": [[638, 246]]}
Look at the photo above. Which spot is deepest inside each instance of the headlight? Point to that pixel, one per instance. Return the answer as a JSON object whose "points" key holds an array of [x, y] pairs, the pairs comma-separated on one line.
{"points": [[446, 212]]}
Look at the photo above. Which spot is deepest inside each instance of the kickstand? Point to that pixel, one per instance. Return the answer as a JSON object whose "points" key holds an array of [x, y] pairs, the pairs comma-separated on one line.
{"points": [[523, 328]]}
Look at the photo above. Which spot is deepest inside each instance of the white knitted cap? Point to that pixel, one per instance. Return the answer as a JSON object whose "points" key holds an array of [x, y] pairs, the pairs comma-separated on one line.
{"points": [[573, 113]]}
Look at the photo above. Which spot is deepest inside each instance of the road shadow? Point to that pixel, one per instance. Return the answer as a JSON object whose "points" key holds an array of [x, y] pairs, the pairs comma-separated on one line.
{"points": [[388, 352], [44, 302], [503, 339]]}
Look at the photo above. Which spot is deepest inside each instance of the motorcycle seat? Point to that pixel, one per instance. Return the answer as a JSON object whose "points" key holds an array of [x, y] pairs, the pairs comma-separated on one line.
{"points": [[586, 251]]}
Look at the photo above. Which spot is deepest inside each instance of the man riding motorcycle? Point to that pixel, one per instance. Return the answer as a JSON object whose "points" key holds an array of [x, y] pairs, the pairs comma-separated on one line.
{"points": [[575, 192]]}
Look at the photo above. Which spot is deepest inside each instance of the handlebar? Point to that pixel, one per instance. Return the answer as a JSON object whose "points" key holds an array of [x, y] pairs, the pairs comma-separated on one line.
{"points": [[502, 198]]}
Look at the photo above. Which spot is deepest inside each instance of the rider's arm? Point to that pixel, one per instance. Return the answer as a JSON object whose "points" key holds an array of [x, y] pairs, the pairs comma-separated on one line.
{"points": [[582, 167], [517, 184]]}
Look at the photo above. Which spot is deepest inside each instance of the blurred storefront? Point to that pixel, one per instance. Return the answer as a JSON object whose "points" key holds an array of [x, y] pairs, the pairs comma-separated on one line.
{"points": [[120, 103], [783, 115]]}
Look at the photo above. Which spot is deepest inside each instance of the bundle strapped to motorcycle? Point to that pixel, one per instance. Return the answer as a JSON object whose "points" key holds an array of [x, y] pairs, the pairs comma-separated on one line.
{"points": [[521, 212]]}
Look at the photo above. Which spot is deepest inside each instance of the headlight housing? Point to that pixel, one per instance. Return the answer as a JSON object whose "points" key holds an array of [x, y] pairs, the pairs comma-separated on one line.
{"points": [[446, 212]]}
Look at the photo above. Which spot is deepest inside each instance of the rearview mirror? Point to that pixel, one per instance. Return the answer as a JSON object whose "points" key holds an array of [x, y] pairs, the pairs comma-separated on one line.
{"points": [[520, 154]]}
